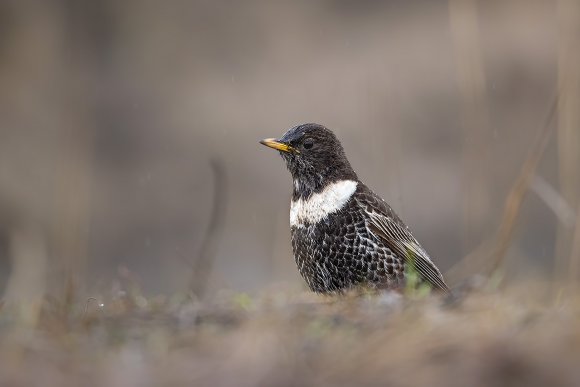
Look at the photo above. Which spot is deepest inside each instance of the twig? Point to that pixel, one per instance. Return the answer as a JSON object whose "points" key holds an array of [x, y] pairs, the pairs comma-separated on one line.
{"points": [[203, 264], [552, 198], [478, 261], [519, 189]]}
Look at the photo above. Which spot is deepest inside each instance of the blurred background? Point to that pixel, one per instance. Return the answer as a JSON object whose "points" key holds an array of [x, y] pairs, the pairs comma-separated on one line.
{"points": [[129, 132]]}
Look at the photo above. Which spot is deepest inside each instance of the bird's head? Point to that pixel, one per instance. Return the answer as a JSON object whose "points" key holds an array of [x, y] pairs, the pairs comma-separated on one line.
{"points": [[314, 157]]}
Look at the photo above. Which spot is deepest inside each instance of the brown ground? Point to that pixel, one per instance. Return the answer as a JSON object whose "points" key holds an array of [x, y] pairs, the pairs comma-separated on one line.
{"points": [[525, 335]]}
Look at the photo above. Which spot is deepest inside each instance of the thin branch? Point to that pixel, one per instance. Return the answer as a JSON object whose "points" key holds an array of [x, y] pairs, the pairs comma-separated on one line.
{"points": [[478, 261], [519, 189], [202, 266]]}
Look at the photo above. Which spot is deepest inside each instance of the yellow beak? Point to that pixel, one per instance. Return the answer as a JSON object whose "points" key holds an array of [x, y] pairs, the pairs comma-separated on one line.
{"points": [[272, 143]]}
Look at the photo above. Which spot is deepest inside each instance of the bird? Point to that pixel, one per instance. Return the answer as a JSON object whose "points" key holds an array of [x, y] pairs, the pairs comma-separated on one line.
{"points": [[343, 235]]}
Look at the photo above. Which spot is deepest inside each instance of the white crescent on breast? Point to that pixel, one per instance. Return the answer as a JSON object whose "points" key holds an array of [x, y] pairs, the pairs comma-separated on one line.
{"points": [[318, 206]]}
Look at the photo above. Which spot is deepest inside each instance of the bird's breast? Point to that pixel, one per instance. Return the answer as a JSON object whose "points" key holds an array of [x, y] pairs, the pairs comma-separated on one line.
{"points": [[321, 204]]}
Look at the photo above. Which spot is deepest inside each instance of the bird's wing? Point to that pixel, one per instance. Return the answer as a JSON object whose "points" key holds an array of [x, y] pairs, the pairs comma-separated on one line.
{"points": [[386, 225]]}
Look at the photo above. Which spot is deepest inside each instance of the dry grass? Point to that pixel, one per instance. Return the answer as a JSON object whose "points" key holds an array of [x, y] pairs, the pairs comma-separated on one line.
{"points": [[517, 336]]}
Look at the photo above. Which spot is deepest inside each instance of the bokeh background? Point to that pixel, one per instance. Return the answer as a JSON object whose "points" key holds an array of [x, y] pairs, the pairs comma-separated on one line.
{"points": [[129, 132]]}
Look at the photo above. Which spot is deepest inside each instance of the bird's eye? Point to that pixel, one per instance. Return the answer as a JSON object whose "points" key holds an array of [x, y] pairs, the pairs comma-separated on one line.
{"points": [[308, 143]]}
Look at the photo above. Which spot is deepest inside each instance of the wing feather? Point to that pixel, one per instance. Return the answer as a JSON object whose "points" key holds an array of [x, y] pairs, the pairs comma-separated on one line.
{"points": [[398, 238]]}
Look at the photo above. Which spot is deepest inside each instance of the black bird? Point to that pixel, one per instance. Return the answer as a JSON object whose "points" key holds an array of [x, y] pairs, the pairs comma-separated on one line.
{"points": [[343, 234]]}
